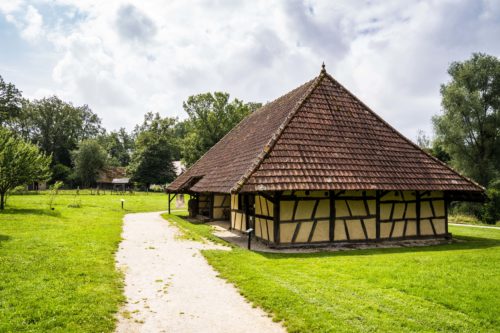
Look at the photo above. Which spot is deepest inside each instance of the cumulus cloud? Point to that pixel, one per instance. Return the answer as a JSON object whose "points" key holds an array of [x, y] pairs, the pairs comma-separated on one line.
{"points": [[126, 59], [133, 24]]}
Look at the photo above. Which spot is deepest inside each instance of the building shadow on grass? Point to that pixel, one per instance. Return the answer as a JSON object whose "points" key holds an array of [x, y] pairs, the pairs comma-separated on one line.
{"points": [[459, 243]]}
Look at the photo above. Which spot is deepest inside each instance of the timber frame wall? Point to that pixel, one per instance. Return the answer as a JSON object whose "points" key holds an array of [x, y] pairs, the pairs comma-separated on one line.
{"points": [[300, 218]]}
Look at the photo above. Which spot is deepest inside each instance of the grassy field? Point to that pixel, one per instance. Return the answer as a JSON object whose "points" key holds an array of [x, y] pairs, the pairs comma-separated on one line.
{"points": [[57, 270], [448, 288]]}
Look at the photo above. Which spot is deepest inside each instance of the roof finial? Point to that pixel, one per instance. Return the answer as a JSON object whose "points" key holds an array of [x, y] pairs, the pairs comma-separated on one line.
{"points": [[323, 70]]}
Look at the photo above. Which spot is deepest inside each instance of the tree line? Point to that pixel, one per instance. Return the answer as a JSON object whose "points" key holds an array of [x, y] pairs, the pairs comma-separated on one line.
{"points": [[74, 146], [467, 131]]}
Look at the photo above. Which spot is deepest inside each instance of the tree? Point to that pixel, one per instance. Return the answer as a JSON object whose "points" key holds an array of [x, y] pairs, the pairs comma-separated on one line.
{"points": [[20, 163], [211, 116], [88, 160], [469, 128], [155, 149], [10, 102], [432, 147], [57, 126], [119, 145]]}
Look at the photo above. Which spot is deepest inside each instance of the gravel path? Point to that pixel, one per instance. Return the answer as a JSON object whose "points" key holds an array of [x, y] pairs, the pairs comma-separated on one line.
{"points": [[171, 288]]}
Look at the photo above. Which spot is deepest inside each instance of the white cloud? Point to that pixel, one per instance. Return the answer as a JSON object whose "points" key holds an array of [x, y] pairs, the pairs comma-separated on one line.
{"points": [[126, 59]]}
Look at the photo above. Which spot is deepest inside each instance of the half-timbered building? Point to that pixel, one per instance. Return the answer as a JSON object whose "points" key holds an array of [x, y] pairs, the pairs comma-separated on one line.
{"points": [[317, 166]]}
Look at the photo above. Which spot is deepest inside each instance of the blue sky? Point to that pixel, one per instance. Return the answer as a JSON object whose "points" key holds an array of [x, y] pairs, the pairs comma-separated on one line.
{"points": [[124, 58]]}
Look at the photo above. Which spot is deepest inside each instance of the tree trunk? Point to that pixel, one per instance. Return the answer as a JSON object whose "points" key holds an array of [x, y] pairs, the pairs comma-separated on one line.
{"points": [[2, 200]]}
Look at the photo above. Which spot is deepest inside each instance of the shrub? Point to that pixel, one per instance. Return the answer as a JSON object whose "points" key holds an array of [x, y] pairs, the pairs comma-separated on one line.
{"points": [[490, 212]]}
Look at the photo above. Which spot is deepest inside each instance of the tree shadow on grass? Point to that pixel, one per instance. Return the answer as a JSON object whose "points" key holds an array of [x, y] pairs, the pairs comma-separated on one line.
{"points": [[30, 211], [4, 238], [459, 243]]}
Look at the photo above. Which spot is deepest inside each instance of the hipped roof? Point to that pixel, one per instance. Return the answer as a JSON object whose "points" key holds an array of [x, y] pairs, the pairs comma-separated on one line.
{"points": [[319, 136]]}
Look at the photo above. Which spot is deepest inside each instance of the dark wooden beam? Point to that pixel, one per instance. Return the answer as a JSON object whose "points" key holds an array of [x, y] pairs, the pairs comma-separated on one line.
{"points": [[417, 196], [446, 203], [276, 216], [332, 217], [377, 215], [211, 206], [266, 195], [246, 202]]}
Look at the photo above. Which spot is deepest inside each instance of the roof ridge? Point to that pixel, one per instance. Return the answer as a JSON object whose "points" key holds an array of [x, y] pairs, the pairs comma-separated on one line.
{"points": [[277, 134], [401, 135]]}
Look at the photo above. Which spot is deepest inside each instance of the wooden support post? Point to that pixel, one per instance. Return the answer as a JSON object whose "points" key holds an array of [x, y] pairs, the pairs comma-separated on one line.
{"points": [[276, 213], [332, 216], [211, 207], [246, 203], [377, 215], [169, 202], [446, 203], [417, 205]]}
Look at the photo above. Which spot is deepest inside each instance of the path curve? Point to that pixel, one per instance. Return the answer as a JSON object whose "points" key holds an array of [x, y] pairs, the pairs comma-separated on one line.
{"points": [[170, 287]]}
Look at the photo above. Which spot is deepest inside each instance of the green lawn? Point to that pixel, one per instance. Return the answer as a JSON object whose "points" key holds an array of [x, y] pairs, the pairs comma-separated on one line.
{"points": [[57, 270], [192, 231], [450, 288]]}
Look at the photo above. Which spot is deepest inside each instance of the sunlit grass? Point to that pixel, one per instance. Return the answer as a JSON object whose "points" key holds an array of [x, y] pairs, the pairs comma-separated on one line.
{"points": [[449, 288], [57, 268]]}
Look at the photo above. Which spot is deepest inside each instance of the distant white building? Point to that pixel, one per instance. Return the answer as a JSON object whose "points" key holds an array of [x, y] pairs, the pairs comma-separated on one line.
{"points": [[179, 167]]}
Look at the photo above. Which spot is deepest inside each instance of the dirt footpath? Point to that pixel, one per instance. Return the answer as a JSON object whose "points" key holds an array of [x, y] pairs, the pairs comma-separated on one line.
{"points": [[170, 287]]}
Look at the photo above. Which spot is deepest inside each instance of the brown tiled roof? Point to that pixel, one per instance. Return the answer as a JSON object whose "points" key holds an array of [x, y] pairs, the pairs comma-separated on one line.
{"points": [[318, 137], [107, 174]]}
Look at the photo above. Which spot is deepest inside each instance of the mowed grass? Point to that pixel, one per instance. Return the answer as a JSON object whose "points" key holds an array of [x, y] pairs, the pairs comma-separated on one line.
{"points": [[192, 231], [445, 288], [57, 268]]}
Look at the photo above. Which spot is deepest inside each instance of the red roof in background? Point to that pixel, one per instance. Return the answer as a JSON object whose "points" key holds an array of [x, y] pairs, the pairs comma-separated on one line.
{"points": [[317, 137]]}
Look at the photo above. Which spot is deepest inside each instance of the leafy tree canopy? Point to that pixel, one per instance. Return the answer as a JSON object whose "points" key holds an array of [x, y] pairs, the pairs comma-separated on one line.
{"points": [[20, 163], [155, 149], [119, 145], [88, 159], [211, 116], [469, 127], [57, 126], [10, 102]]}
